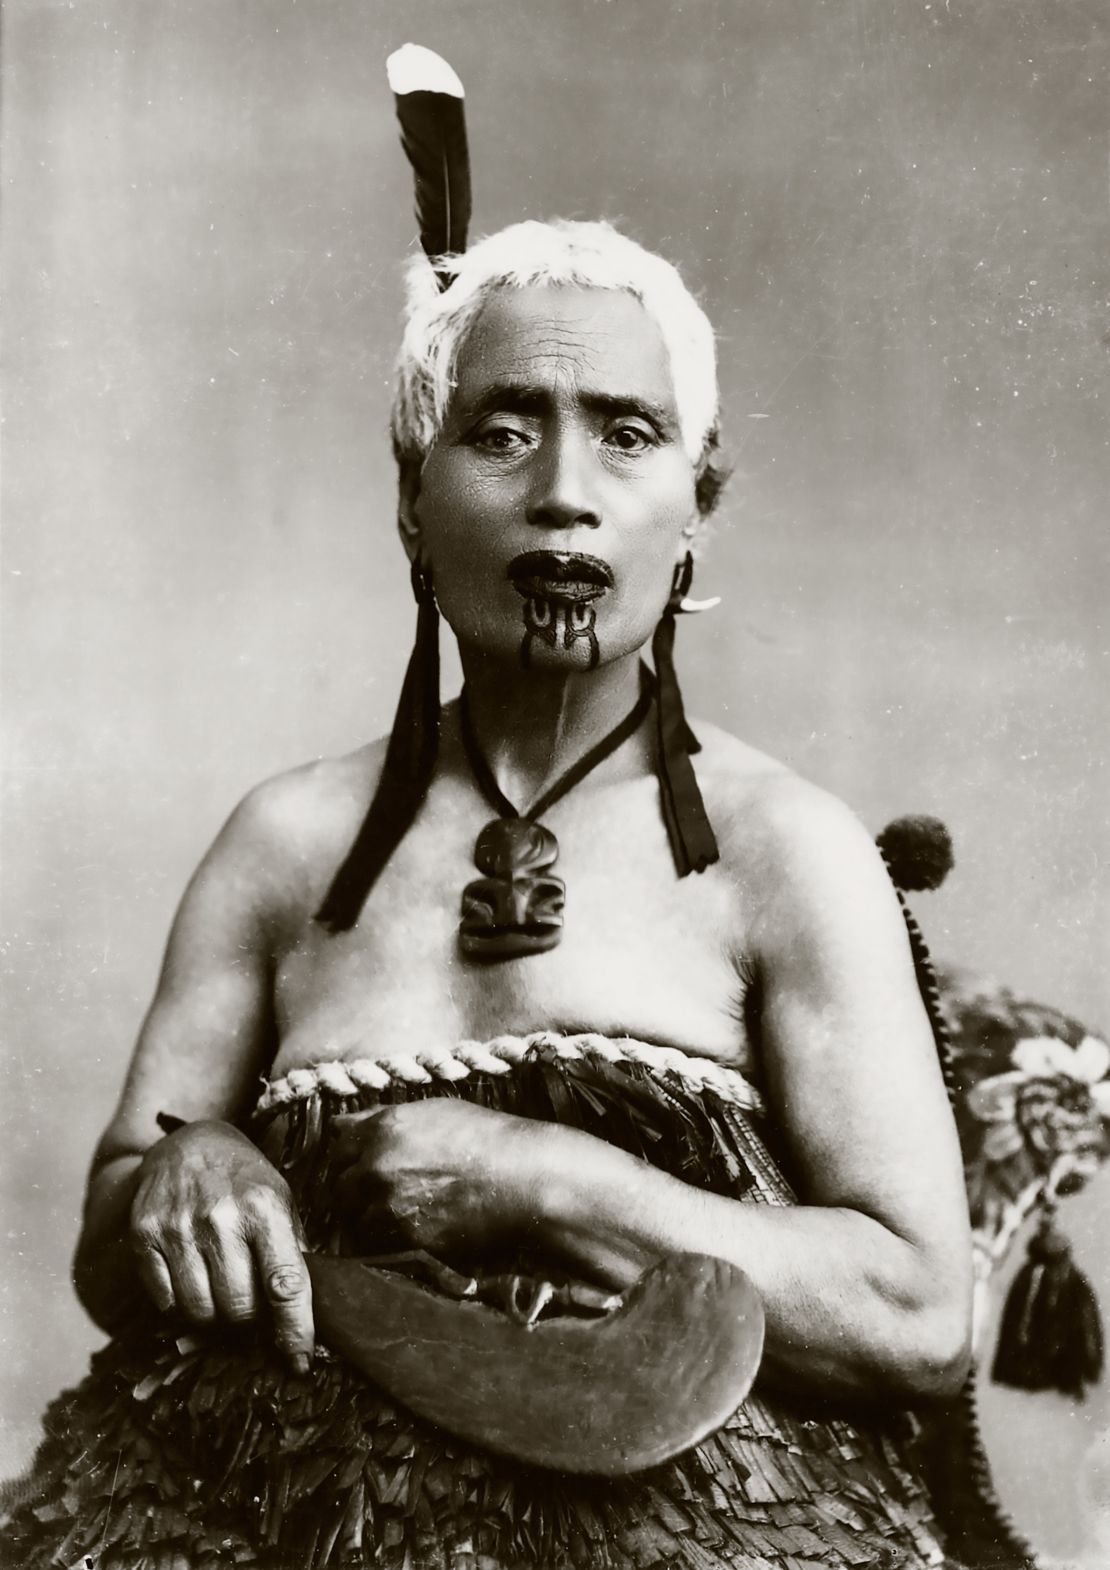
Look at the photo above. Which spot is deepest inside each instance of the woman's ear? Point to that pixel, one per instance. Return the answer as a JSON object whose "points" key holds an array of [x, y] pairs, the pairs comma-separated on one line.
{"points": [[408, 494], [689, 540], [710, 476]]}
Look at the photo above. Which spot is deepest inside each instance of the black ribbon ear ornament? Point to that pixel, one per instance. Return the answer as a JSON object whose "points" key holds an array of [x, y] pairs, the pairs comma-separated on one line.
{"points": [[410, 762], [693, 843]]}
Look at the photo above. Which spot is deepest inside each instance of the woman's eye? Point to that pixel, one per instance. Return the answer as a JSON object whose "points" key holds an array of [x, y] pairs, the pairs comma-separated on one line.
{"points": [[629, 438], [500, 438]]}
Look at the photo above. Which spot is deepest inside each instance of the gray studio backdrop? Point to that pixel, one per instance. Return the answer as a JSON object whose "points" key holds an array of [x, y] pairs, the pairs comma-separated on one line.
{"points": [[896, 214]]}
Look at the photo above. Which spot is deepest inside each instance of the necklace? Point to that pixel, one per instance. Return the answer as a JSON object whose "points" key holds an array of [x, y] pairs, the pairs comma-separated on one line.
{"points": [[516, 906]]}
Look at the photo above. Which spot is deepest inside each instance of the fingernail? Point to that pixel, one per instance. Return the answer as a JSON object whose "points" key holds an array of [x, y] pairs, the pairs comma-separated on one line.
{"points": [[302, 1364]]}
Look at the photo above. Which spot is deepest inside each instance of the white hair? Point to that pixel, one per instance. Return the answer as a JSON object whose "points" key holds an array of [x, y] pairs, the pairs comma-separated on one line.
{"points": [[590, 255]]}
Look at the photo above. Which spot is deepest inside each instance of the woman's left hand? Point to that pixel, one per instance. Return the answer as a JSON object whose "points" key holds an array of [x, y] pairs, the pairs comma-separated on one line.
{"points": [[443, 1174]]}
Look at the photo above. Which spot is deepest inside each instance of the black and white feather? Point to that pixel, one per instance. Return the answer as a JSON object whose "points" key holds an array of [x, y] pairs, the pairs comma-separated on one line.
{"points": [[429, 98]]}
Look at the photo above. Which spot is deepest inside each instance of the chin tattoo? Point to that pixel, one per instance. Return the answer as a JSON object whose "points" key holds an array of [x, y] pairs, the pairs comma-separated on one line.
{"points": [[559, 590], [561, 626]]}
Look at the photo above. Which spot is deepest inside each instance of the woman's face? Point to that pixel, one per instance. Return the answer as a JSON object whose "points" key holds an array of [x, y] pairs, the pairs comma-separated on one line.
{"points": [[551, 509]]}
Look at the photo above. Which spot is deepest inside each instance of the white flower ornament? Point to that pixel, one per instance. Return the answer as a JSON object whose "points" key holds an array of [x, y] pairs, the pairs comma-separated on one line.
{"points": [[1038, 1058], [1045, 1056]]}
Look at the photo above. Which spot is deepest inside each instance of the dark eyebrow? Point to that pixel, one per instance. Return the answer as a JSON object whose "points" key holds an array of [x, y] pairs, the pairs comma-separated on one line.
{"points": [[524, 398], [512, 397], [616, 404]]}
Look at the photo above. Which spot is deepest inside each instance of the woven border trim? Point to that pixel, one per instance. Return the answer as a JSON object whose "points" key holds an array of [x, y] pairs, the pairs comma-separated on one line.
{"points": [[500, 1056]]}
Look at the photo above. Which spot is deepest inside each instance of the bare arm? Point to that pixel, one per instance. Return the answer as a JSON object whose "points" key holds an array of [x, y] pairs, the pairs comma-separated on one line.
{"points": [[200, 1218], [867, 1282]]}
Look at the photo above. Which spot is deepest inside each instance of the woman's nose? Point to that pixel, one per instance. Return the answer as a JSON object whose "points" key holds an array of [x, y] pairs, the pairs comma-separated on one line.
{"points": [[565, 486]]}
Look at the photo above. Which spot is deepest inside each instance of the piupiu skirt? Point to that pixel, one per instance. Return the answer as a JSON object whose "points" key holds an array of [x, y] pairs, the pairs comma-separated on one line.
{"points": [[206, 1451]]}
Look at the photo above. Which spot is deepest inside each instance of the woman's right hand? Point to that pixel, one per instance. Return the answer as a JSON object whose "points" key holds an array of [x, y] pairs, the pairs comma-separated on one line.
{"points": [[217, 1236]]}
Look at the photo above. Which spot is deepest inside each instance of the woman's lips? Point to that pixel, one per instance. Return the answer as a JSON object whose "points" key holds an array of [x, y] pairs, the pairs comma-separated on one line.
{"points": [[560, 575]]}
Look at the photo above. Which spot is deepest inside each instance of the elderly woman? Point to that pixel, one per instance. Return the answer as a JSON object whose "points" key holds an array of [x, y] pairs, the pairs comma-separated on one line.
{"points": [[555, 426]]}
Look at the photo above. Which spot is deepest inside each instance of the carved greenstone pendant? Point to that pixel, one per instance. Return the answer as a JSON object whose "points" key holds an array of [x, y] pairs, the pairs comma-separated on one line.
{"points": [[516, 907]]}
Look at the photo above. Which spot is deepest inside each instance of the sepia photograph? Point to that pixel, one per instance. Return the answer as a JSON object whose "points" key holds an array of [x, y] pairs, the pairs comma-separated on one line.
{"points": [[555, 864]]}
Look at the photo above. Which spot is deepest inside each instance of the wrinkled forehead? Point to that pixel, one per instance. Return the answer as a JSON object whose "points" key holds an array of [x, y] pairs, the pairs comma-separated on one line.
{"points": [[563, 337]]}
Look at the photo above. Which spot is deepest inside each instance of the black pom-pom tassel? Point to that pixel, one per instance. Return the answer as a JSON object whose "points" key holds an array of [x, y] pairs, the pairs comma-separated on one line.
{"points": [[917, 851], [1051, 1332]]}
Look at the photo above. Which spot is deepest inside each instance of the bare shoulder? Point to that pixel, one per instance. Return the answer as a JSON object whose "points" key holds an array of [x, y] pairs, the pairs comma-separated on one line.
{"points": [[822, 921], [312, 801], [790, 842], [284, 840]]}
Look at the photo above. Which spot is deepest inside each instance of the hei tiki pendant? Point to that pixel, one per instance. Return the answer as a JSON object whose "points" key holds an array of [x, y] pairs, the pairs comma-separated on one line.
{"points": [[516, 907]]}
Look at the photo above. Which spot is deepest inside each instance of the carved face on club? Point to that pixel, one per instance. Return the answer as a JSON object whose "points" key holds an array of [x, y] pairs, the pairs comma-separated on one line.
{"points": [[516, 908], [551, 508]]}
